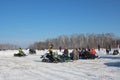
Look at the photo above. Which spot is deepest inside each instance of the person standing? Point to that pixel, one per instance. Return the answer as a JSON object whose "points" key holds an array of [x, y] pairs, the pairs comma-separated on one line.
{"points": [[60, 48], [75, 54]]}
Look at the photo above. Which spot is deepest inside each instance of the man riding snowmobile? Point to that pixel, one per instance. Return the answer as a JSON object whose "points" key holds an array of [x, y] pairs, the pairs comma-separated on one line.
{"points": [[51, 56], [21, 53]]}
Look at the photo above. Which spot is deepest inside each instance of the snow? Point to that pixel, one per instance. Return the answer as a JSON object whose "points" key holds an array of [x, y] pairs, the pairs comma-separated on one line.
{"points": [[31, 67]]}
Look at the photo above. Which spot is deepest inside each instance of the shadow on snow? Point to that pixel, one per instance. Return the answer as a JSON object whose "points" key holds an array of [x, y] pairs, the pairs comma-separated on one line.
{"points": [[113, 64], [110, 57], [37, 60]]}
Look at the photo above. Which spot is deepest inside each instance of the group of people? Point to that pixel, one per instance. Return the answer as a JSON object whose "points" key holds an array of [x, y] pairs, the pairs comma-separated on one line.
{"points": [[74, 55], [87, 53], [81, 53]]}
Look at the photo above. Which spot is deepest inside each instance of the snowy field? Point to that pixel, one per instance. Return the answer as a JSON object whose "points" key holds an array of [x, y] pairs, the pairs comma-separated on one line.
{"points": [[31, 68]]}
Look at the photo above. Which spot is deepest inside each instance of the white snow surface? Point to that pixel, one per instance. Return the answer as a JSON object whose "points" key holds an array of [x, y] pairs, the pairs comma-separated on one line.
{"points": [[107, 67]]}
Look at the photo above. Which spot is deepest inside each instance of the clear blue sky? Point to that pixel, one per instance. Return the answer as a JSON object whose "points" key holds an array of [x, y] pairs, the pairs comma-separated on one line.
{"points": [[25, 21]]}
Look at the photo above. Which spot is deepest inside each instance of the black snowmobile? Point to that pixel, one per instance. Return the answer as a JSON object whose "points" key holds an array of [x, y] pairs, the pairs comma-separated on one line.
{"points": [[32, 51], [20, 55], [115, 52]]}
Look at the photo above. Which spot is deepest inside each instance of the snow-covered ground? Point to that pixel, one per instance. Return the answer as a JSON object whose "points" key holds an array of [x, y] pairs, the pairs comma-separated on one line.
{"points": [[31, 67]]}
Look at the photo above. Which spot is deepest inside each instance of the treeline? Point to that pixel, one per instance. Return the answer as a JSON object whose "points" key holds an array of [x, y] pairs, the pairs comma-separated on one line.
{"points": [[105, 40], [8, 46]]}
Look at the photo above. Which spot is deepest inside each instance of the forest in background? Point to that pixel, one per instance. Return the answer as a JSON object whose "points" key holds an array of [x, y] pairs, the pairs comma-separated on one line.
{"points": [[8, 46], [105, 40]]}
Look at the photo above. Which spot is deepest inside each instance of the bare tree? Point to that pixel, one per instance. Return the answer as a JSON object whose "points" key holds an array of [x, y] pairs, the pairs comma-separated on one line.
{"points": [[81, 40]]}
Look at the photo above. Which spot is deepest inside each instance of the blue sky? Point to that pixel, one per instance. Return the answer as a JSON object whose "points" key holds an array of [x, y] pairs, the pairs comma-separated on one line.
{"points": [[25, 21]]}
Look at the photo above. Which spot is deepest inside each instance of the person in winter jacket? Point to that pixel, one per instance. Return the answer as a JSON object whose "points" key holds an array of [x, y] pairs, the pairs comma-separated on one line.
{"points": [[50, 49], [60, 48], [51, 53], [21, 53], [92, 53], [75, 54], [65, 53]]}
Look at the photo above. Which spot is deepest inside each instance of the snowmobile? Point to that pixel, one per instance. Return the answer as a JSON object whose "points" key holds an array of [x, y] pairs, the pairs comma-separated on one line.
{"points": [[32, 51], [115, 52], [19, 55], [47, 57], [56, 58]]}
